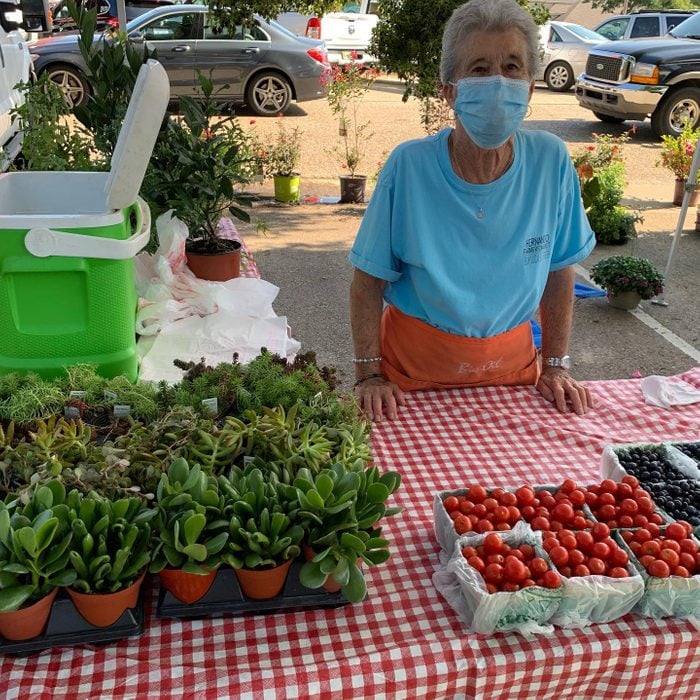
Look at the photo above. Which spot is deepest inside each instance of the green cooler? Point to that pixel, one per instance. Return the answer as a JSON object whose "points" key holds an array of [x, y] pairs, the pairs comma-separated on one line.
{"points": [[67, 243]]}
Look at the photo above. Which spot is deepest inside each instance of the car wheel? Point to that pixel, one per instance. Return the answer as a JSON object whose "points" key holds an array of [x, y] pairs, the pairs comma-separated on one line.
{"points": [[268, 94], [673, 111], [71, 81], [559, 77], [608, 119]]}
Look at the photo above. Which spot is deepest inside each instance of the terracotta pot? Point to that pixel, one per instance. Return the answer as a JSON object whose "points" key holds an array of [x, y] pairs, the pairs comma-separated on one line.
{"points": [[216, 267], [263, 584], [679, 191], [104, 609], [29, 622], [352, 189], [186, 587], [625, 300]]}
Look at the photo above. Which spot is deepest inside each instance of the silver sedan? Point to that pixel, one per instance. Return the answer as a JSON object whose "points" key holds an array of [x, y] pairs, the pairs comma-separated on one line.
{"points": [[565, 50], [263, 66]]}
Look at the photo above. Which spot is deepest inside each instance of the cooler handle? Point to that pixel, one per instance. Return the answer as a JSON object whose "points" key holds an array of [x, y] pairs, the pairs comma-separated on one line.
{"points": [[45, 242]]}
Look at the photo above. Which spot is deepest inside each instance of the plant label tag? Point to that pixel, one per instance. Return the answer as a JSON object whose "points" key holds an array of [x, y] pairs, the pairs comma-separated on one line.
{"points": [[212, 405], [122, 410], [110, 396], [71, 412], [76, 395], [248, 459]]}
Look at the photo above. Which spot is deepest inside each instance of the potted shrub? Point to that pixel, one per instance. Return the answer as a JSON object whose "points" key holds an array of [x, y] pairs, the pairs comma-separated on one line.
{"points": [[198, 162], [109, 552], [264, 531], [601, 174], [343, 507], [627, 280], [34, 540], [346, 89], [281, 161], [677, 156], [191, 531]]}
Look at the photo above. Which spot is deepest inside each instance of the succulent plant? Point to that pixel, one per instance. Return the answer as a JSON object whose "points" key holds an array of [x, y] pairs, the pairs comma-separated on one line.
{"points": [[34, 541]]}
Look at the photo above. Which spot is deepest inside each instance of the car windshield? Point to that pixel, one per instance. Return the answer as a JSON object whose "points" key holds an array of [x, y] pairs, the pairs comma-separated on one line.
{"points": [[585, 33], [688, 28]]}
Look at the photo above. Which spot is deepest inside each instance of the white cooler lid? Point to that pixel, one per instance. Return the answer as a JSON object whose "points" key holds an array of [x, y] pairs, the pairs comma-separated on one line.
{"points": [[138, 134]]}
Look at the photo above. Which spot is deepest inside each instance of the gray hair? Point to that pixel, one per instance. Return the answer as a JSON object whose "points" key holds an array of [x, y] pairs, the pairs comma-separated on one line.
{"points": [[486, 16]]}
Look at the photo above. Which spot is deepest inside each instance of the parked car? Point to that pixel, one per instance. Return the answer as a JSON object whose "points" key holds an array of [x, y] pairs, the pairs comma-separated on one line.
{"points": [[641, 24], [347, 32], [566, 48], [263, 66], [646, 77], [107, 15]]}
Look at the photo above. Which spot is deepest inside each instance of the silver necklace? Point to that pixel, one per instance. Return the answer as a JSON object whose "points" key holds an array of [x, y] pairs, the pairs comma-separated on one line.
{"points": [[480, 213]]}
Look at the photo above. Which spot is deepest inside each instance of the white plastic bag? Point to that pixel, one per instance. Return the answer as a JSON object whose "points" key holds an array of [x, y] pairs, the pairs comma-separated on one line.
{"points": [[525, 611]]}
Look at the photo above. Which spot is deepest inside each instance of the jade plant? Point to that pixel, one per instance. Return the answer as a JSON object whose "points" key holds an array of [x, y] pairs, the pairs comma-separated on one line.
{"points": [[191, 529], [343, 507], [264, 526], [111, 541], [34, 542]]}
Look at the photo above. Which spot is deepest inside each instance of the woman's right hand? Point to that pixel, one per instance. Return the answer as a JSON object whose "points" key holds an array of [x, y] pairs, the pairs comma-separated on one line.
{"points": [[379, 397]]}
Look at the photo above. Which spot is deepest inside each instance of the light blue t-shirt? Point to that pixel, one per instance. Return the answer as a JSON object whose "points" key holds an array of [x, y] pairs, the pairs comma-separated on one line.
{"points": [[472, 259]]}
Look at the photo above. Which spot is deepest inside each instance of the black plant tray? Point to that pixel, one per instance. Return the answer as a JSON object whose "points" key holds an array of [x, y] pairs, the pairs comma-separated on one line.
{"points": [[225, 598], [67, 627]]}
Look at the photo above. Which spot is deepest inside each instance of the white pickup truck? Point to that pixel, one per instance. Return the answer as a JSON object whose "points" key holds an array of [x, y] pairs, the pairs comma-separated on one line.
{"points": [[347, 33], [16, 17]]}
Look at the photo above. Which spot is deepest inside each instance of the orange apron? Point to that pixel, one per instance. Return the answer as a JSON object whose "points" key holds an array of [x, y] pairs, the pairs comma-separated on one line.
{"points": [[419, 356]]}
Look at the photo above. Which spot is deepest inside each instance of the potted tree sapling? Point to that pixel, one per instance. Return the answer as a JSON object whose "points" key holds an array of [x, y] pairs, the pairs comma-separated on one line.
{"points": [[264, 531], [627, 280], [191, 531], [34, 541], [347, 87], [110, 552], [282, 157], [198, 165]]}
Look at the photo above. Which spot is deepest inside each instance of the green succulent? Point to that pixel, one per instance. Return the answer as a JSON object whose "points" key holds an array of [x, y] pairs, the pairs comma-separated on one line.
{"points": [[34, 546]]}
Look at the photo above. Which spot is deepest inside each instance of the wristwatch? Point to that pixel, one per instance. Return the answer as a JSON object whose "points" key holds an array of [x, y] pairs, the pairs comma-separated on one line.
{"points": [[563, 362]]}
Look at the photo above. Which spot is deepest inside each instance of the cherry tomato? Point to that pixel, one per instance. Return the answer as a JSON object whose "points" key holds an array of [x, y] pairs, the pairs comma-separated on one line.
{"points": [[606, 499], [540, 523], [517, 553], [591, 499], [579, 523], [608, 486], [463, 524], [508, 499], [646, 560], [490, 504], [625, 521], [576, 557], [687, 560], [628, 536], [559, 555], [618, 557], [681, 571], [514, 569], [624, 491], [480, 510], [600, 531], [642, 535], [633, 481], [555, 526], [495, 559], [484, 526], [493, 573], [640, 520], [596, 566], [525, 495], [563, 512], [551, 579], [477, 563], [567, 486], [502, 527], [497, 493], [577, 497], [675, 531], [670, 557], [501, 514], [538, 566], [581, 570], [491, 588], [527, 583], [659, 569], [645, 505], [688, 546], [653, 528], [476, 493], [450, 503], [528, 512], [671, 544], [584, 540], [606, 513], [510, 587], [528, 551], [650, 547], [618, 572], [468, 552], [513, 514], [466, 507], [493, 544]]}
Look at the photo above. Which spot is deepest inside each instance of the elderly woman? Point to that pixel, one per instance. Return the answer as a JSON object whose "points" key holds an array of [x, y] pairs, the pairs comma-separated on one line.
{"points": [[470, 230]]}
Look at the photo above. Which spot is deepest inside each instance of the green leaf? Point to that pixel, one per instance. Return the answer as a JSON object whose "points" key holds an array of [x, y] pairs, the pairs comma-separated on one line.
{"points": [[45, 534], [27, 539], [377, 492], [13, 598], [341, 572], [311, 576], [198, 552], [64, 578], [178, 471], [352, 542], [356, 588], [78, 564], [216, 544], [324, 486], [193, 527]]}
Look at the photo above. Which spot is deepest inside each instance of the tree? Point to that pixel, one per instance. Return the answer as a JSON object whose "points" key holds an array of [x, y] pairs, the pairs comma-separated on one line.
{"points": [[407, 40], [630, 5], [229, 13]]}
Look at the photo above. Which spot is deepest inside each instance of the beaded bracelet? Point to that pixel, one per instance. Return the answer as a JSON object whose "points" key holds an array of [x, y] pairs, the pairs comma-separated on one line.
{"points": [[364, 379], [366, 360]]}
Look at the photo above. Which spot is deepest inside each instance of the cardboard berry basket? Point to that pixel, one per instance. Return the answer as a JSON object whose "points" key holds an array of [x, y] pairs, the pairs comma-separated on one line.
{"points": [[664, 597], [526, 611]]}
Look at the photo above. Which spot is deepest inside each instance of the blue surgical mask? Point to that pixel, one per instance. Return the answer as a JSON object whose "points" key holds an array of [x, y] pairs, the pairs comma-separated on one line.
{"points": [[491, 109]]}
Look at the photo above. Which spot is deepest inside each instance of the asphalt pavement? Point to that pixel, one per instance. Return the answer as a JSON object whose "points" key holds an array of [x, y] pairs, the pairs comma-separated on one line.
{"points": [[304, 252]]}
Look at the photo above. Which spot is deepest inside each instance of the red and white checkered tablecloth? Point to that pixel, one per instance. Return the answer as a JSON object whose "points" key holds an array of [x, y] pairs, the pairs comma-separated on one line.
{"points": [[404, 640]]}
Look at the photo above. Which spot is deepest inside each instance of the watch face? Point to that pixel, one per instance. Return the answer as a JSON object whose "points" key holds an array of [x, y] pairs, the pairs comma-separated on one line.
{"points": [[566, 362]]}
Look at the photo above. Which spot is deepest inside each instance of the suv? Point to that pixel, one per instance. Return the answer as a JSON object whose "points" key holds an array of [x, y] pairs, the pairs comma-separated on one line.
{"points": [[30, 16], [646, 77], [641, 24]]}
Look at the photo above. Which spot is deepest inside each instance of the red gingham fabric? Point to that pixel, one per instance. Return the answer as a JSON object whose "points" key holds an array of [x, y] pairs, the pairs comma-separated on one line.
{"points": [[404, 641]]}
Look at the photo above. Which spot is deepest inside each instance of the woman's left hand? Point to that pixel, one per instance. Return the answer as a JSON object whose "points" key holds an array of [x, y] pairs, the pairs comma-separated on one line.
{"points": [[561, 389]]}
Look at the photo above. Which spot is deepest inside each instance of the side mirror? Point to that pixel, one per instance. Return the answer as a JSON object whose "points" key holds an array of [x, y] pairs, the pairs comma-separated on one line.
{"points": [[36, 16], [10, 16]]}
